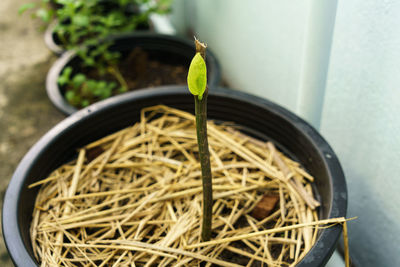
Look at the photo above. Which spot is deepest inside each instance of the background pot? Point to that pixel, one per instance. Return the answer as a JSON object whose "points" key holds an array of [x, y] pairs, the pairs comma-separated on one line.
{"points": [[259, 118], [167, 48], [53, 42]]}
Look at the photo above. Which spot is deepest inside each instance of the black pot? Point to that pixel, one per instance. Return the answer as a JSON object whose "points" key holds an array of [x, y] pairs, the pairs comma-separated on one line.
{"points": [[166, 48], [259, 118]]}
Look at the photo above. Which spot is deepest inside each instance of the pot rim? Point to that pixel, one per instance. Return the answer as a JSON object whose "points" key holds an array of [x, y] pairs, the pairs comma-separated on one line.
{"points": [[327, 238], [58, 100], [49, 39]]}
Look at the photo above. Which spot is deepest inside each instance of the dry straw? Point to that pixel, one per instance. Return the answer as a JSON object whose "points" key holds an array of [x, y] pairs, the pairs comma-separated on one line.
{"points": [[134, 198]]}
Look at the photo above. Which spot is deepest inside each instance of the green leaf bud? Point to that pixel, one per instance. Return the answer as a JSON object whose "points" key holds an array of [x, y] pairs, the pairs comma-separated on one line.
{"points": [[197, 76]]}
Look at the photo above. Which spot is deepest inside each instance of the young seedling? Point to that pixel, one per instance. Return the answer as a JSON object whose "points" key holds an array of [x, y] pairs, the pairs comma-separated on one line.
{"points": [[197, 83]]}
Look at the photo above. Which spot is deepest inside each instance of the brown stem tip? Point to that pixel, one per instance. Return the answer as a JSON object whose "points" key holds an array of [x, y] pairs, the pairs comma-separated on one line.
{"points": [[200, 48]]}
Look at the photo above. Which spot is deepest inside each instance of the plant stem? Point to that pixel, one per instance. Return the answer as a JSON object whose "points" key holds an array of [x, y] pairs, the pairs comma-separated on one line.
{"points": [[113, 70], [204, 155]]}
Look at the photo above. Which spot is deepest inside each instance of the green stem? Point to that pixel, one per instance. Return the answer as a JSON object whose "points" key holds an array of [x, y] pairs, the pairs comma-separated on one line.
{"points": [[113, 70], [204, 154]]}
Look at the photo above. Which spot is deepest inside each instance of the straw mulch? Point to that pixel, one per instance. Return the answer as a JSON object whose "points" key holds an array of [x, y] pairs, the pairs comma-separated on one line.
{"points": [[134, 198]]}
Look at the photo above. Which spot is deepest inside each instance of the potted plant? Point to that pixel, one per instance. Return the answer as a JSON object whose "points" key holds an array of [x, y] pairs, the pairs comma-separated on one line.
{"points": [[100, 57], [73, 23], [136, 60], [132, 196], [257, 117]]}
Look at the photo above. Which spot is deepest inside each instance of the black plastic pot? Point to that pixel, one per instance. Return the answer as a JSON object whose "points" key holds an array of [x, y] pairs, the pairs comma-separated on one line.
{"points": [[166, 48], [259, 118]]}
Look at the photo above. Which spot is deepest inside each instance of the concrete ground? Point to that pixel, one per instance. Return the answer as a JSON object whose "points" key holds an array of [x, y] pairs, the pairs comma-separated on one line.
{"points": [[25, 111]]}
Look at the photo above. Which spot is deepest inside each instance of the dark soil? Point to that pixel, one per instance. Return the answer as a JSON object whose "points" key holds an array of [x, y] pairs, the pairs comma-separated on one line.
{"points": [[140, 71], [229, 256]]}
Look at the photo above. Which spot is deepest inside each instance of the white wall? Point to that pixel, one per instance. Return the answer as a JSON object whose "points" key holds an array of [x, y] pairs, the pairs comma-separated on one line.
{"points": [[275, 49], [361, 120]]}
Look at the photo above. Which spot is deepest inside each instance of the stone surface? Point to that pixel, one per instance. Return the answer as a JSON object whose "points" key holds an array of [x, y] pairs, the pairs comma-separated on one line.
{"points": [[25, 111]]}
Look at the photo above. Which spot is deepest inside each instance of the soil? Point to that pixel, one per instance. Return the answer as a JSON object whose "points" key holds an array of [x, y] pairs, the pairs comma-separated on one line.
{"points": [[275, 249], [140, 71]]}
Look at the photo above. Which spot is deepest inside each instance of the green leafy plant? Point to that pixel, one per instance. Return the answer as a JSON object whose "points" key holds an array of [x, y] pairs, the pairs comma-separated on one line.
{"points": [[87, 21], [197, 83], [83, 91], [84, 26]]}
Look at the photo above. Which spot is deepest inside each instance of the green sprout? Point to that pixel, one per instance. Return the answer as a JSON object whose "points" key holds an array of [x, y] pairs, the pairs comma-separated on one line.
{"points": [[197, 83], [197, 76]]}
